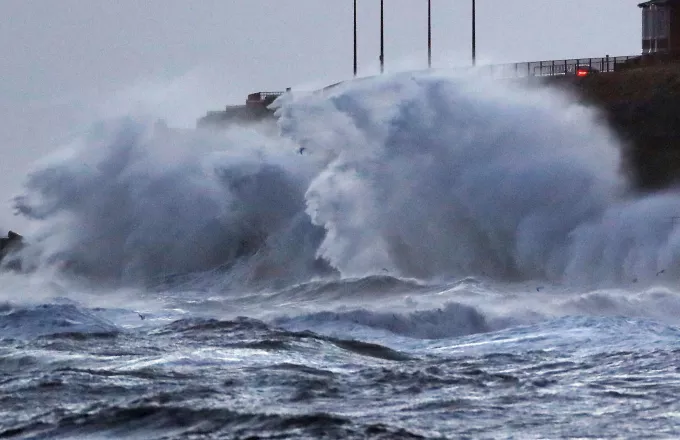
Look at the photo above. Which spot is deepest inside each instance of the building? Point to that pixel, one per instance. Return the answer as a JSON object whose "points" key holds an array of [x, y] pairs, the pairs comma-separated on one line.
{"points": [[256, 109], [660, 26]]}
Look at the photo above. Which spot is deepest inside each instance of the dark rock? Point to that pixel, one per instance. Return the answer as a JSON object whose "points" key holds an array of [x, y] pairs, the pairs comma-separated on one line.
{"points": [[8, 246]]}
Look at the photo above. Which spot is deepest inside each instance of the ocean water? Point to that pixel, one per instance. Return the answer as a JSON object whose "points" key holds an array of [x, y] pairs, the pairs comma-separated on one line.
{"points": [[415, 256]]}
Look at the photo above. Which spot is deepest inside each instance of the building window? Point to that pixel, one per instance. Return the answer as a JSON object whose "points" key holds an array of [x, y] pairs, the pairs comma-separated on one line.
{"points": [[655, 28], [661, 22], [646, 24]]}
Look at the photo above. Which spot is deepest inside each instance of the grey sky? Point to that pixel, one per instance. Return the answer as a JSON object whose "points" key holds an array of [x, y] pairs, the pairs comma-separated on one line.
{"points": [[67, 62]]}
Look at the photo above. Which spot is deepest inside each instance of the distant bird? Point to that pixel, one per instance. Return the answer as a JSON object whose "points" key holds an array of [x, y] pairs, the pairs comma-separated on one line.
{"points": [[385, 269], [302, 150], [142, 317], [660, 272], [538, 289]]}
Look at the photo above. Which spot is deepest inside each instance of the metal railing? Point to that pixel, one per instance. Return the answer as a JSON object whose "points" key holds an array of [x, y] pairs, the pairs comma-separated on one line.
{"points": [[572, 66], [555, 67], [261, 96], [547, 68]]}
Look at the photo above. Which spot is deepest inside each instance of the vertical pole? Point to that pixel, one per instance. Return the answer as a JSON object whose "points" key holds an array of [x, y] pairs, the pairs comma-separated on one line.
{"points": [[355, 38], [429, 34], [382, 36], [474, 33]]}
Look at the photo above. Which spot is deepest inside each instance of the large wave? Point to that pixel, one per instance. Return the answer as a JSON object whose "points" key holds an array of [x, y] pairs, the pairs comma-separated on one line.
{"points": [[437, 176], [136, 201], [423, 176]]}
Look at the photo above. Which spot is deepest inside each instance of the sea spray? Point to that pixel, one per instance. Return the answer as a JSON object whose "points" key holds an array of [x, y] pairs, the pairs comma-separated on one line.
{"points": [[418, 175], [439, 176], [133, 202]]}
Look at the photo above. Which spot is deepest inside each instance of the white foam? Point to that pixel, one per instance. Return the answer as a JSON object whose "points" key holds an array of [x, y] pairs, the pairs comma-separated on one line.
{"points": [[423, 176]]}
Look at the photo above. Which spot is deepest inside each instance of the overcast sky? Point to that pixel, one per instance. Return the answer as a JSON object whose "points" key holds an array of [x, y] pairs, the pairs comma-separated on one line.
{"points": [[65, 63]]}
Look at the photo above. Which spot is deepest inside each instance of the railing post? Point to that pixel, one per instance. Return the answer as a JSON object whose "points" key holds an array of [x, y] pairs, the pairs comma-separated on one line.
{"points": [[552, 72], [607, 58], [566, 64]]}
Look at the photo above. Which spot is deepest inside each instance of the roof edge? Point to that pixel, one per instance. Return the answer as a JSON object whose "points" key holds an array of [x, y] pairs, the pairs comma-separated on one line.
{"points": [[659, 3]]}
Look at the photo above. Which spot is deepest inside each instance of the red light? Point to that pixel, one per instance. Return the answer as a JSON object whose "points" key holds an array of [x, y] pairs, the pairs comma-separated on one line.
{"points": [[581, 72]]}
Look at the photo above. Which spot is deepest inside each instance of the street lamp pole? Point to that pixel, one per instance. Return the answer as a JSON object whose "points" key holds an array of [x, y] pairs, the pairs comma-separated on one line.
{"points": [[355, 38], [382, 36], [429, 34], [474, 33]]}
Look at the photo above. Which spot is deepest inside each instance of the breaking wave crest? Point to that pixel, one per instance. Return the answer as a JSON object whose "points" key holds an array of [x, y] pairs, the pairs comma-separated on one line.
{"points": [[450, 321], [135, 202], [421, 176], [52, 319]]}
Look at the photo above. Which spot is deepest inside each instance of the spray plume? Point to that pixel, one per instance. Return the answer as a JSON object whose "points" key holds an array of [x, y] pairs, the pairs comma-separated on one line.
{"points": [[425, 176]]}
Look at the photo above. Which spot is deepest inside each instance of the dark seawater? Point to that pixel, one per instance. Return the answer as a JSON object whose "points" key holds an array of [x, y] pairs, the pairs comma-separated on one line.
{"points": [[353, 375], [448, 258]]}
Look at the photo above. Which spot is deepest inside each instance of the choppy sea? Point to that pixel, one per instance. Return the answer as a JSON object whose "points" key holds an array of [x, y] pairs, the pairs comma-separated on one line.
{"points": [[404, 257]]}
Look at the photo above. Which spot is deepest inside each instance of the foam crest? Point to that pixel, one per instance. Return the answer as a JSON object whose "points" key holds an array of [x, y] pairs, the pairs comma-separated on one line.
{"points": [[451, 320], [415, 175], [50, 319], [135, 202], [435, 176]]}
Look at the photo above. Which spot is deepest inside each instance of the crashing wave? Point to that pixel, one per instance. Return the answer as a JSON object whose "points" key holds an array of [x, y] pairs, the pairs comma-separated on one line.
{"points": [[422, 176]]}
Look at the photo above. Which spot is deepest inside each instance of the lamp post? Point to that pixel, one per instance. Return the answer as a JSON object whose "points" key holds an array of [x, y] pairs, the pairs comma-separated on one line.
{"points": [[355, 38], [429, 34], [382, 36], [474, 33]]}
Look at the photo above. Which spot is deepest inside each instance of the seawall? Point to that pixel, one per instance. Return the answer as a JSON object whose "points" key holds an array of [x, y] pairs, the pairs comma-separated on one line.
{"points": [[641, 105]]}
